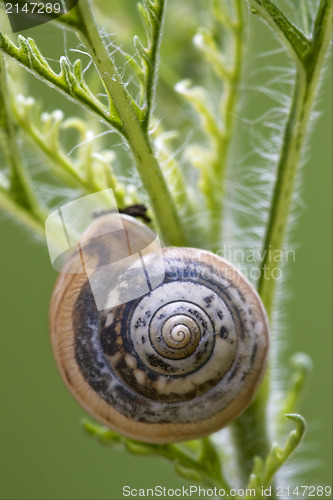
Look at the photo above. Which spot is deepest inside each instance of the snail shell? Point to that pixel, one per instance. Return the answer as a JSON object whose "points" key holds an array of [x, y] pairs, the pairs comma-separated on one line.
{"points": [[177, 363]]}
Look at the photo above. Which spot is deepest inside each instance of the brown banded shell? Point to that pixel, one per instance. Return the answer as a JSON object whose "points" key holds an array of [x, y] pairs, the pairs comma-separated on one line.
{"points": [[178, 363]]}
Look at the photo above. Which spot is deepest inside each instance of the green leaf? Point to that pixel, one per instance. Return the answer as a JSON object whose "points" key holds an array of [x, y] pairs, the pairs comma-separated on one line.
{"points": [[206, 43], [263, 471], [301, 365], [199, 98], [292, 36], [146, 16], [189, 464], [278, 456], [210, 459], [187, 473], [143, 52], [19, 183], [69, 81], [152, 14]]}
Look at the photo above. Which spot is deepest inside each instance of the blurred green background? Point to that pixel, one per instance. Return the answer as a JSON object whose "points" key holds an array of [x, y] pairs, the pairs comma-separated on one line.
{"points": [[44, 453]]}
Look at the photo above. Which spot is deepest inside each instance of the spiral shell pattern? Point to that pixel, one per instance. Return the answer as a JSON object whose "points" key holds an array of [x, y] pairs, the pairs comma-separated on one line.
{"points": [[178, 363]]}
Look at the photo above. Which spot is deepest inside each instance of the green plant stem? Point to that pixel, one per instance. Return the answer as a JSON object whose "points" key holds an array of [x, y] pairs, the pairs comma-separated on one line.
{"points": [[29, 56], [250, 436], [264, 470], [61, 165], [196, 460], [152, 178], [250, 431], [21, 214], [291, 36], [251, 428], [278, 455], [305, 90], [229, 104], [154, 55], [20, 187]]}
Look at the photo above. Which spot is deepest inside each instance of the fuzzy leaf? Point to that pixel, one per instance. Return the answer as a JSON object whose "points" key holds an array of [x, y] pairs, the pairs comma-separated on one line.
{"points": [[187, 473], [69, 81], [295, 39], [302, 365], [209, 458], [264, 471], [143, 53], [205, 42]]}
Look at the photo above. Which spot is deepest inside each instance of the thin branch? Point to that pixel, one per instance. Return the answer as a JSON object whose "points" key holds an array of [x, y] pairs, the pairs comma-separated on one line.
{"points": [[19, 183], [254, 443], [292, 37], [264, 470], [196, 461], [22, 214], [153, 17], [294, 136], [69, 80], [162, 203]]}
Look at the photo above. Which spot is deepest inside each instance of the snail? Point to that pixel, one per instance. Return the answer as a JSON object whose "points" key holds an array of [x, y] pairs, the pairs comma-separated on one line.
{"points": [[176, 363]]}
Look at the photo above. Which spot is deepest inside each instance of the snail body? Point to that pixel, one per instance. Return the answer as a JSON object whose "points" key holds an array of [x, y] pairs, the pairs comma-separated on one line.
{"points": [[177, 363]]}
